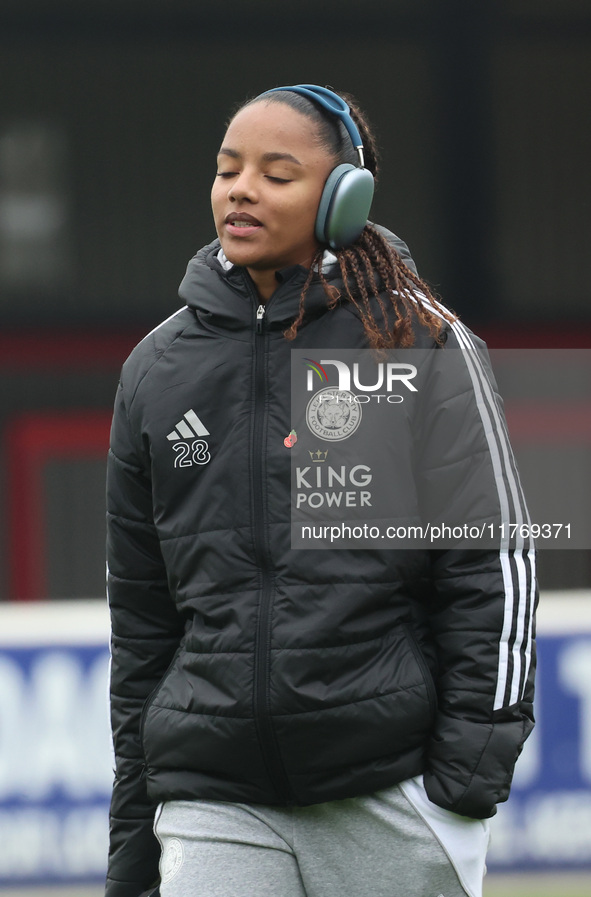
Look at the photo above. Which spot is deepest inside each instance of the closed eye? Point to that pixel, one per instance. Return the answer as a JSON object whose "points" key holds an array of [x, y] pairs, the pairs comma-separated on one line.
{"points": [[278, 180], [226, 174]]}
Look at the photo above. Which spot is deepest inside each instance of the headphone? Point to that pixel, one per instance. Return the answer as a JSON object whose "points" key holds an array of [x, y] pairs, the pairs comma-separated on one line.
{"points": [[348, 191]]}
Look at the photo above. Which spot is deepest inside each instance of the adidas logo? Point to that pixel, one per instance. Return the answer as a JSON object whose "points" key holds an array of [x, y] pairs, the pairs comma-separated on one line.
{"points": [[188, 428]]}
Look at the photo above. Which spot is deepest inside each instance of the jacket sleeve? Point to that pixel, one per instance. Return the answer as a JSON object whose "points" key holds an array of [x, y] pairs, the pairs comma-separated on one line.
{"points": [[484, 591], [145, 634]]}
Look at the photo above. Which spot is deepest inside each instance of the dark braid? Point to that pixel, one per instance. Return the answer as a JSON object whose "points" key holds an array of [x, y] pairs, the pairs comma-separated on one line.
{"points": [[403, 296], [372, 271]]}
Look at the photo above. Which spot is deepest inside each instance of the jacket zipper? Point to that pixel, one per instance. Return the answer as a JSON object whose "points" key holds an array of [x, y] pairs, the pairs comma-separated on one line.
{"points": [[262, 684]]}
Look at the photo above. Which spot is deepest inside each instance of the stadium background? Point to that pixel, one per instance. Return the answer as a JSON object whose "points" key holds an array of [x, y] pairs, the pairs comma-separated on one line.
{"points": [[110, 117]]}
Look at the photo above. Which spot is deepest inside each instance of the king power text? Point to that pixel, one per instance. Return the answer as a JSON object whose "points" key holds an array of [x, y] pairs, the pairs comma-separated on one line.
{"points": [[333, 487]]}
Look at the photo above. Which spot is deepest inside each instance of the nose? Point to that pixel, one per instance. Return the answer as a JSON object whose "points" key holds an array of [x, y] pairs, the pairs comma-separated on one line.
{"points": [[243, 187]]}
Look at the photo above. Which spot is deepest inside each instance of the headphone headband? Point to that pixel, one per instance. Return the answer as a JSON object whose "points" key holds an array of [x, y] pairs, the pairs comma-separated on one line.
{"points": [[334, 104]]}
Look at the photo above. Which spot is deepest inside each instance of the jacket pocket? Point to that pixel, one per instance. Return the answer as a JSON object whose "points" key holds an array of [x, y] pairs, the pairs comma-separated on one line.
{"points": [[423, 666], [150, 700]]}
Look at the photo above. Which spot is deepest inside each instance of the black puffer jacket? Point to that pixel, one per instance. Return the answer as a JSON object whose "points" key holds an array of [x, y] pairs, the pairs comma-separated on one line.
{"points": [[245, 670]]}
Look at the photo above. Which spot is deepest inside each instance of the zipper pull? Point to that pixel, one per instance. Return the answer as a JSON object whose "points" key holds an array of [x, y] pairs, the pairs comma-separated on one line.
{"points": [[260, 318]]}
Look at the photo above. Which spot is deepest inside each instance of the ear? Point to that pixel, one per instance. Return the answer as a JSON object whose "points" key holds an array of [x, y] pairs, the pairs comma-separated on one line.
{"points": [[344, 205]]}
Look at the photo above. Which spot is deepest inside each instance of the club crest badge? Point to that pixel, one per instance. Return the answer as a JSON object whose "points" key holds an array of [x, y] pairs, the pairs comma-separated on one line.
{"points": [[333, 414]]}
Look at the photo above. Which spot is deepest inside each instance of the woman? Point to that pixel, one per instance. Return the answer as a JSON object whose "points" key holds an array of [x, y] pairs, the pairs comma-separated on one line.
{"points": [[295, 721]]}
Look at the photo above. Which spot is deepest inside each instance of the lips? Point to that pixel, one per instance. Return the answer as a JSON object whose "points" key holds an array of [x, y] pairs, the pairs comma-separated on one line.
{"points": [[241, 220]]}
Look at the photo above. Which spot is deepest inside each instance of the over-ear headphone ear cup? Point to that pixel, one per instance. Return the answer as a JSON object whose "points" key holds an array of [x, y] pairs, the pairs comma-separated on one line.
{"points": [[344, 205]]}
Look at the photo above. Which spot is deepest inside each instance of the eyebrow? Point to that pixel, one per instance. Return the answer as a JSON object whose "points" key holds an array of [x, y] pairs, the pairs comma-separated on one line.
{"points": [[267, 157]]}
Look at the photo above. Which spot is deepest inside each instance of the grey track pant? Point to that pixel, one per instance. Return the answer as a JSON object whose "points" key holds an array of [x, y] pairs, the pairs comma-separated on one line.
{"points": [[394, 843]]}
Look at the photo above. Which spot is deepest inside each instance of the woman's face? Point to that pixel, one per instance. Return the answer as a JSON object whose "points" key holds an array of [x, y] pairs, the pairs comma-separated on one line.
{"points": [[265, 196]]}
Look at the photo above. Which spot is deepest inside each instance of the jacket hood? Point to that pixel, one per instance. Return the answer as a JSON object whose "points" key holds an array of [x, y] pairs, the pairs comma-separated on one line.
{"points": [[224, 294], [204, 288]]}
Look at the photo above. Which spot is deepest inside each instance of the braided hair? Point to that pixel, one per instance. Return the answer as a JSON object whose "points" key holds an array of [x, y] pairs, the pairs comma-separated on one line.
{"points": [[387, 294]]}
